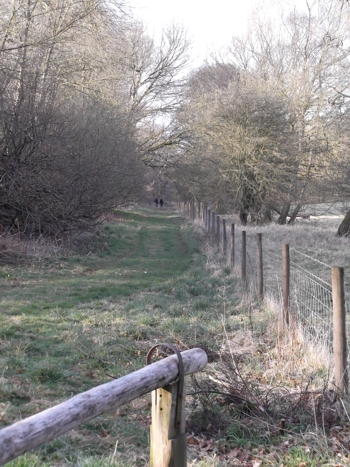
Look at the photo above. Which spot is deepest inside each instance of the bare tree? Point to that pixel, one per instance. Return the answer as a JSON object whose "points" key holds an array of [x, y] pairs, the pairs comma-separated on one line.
{"points": [[237, 144], [304, 56], [68, 150]]}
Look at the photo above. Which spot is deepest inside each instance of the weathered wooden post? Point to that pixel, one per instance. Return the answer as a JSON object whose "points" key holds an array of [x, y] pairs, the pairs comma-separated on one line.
{"points": [[208, 219], [42, 427], [199, 209], [260, 267], [285, 281], [218, 229], [339, 330], [193, 210], [224, 245], [168, 435], [232, 255], [244, 257], [213, 222]]}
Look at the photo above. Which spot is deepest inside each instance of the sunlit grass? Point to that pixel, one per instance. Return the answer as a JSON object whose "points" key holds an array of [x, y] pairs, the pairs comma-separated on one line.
{"points": [[71, 322]]}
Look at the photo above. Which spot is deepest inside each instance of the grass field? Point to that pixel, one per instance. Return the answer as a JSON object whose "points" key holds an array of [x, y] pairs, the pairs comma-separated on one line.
{"points": [[70, 321]]}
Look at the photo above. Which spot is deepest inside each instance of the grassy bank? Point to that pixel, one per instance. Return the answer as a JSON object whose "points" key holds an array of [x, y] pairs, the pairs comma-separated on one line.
{"points": [[72, 321]]}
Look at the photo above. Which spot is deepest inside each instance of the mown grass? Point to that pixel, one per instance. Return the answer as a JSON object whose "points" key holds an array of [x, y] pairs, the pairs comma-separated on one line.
{"points": [[68, 322], [71, 322]]}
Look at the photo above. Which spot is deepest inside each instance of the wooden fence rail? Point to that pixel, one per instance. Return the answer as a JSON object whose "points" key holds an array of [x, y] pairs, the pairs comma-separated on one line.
{"points": [[31, 432]]}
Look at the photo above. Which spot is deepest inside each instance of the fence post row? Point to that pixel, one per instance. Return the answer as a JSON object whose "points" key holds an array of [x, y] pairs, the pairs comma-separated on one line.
{"points": [[40, 428], [285, 281], [338, 296], [339, 330]]}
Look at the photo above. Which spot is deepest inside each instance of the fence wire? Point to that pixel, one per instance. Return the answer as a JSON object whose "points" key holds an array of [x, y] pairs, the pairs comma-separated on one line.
{"points": [[311, 305], [311, 302], [272, 273]]}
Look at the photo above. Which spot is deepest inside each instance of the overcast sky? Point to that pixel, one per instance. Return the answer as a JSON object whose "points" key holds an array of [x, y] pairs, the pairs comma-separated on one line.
{"points": [[209, 24]]}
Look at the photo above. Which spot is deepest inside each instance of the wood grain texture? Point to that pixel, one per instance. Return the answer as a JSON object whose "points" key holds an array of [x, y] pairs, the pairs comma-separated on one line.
{"points": [[339, 330], [47, 425]]}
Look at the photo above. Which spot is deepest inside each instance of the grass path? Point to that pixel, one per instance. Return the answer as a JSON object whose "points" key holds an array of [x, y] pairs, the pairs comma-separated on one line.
{"points": [[138, 251], [67, 323], [70, 323]]}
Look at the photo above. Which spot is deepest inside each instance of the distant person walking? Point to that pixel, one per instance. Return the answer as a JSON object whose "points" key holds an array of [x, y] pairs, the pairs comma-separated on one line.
{"points": [[161, 202], [156, 202]]}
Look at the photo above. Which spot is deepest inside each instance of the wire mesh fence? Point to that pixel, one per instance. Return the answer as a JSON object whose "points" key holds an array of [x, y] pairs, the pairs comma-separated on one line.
{"points": [[311, 303], [310, 291], [272, 273]]}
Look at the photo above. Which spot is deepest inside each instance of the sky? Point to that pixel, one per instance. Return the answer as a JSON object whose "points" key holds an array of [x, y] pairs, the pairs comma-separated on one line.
{"points": [[210, 25]]}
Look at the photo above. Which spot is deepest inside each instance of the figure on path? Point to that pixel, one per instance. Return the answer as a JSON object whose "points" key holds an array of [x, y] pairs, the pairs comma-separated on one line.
{"points": [[156, 202], [161, 202]]}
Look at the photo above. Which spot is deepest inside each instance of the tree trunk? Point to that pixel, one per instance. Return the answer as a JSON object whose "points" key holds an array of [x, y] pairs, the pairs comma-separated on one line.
{"points": [[295, 213], [266, 216], [282, 220], [344, 228], [243, 217]]}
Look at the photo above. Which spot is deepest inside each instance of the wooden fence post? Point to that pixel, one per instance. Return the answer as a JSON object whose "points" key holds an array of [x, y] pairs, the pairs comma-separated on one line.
{"points": [[199, 209], [224, 246], [218, 228], [260, 267], [213, 222], [244, 257], [42, 427], [208, 219], [232, 256], [193, 210], [168, 442], [339, 330], [285, 281]]}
